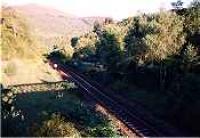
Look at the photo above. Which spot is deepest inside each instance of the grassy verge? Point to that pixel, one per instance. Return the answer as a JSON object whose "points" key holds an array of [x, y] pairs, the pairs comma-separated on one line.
{"points": [[41, 113]]}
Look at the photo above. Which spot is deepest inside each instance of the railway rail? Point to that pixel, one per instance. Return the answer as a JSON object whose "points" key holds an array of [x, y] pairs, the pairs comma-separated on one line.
{"points": [[138, 110]]}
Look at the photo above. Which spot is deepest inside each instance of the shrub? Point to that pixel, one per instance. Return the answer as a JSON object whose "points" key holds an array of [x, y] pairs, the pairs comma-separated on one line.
{"points": [[68, 86], [56, 126], [105, 130], [10, 69], [95, 125]]}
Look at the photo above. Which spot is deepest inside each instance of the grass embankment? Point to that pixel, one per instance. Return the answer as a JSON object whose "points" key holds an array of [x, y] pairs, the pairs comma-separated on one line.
{"points": [[26, 71], [63, 113], [21, 52]]}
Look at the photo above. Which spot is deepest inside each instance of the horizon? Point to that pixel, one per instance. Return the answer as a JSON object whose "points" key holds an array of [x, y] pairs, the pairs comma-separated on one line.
{"points": [[120, 10]]}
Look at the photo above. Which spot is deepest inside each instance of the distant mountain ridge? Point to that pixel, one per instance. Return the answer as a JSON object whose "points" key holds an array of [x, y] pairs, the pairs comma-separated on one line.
{"points": [[48, 22]]}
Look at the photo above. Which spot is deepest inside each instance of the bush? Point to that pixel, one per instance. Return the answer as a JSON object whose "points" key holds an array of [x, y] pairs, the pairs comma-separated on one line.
{"points": [[68, 86], [56, 126], [103, 131], [10, 69], [95, 125]]}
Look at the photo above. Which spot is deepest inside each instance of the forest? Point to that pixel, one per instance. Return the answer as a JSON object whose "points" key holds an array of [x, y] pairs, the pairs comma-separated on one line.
{"points": [[151, 58]]}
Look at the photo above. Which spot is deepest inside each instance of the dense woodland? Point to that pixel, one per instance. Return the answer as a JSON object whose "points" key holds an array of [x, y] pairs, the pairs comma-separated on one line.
{"points": [[158, 53]]}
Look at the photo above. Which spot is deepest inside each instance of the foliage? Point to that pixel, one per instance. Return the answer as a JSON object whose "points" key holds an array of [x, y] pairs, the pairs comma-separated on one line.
{"points": [[74, 41], [62, 44], [59, 55], [108, 21], [110, 46], [102, 131], [10, 69], [85, 46], [70, 85], [190, 54], [191, 58], [157, 52], [56, 126], [48, 114], [96, 124], [156, 37], [87, 40], [178, 4], [195, 4], [192, 23], [97, 28]]}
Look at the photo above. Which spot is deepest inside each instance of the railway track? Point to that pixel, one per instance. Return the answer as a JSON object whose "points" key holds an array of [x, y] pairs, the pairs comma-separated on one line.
{"points": [[135, 108], [131, 120]]}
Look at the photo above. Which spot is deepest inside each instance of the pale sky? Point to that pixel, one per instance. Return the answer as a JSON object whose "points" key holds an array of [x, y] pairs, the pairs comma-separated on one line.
{"points": [[116, 9]]}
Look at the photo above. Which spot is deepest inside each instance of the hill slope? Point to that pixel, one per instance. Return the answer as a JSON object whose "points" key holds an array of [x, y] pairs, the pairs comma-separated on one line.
{"points": [[49, 21], [17, 41], [21, 52], [23, 28]]}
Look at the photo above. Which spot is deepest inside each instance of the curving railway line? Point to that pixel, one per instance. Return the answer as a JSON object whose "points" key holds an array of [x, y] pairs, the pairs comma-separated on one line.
{"points": [[129, 117]]}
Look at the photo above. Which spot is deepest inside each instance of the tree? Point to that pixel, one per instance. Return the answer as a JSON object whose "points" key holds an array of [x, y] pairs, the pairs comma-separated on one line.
{"points": [[177, 5], [97, 28], [154, 38], [192, 23], [195, 3], [74, 41], [168, 36], [190, 58], [133, 40], [108, 21], [85, 47], [110, 46]]}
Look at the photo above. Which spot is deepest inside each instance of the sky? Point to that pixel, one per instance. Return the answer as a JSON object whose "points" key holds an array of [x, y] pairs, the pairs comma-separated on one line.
{"points": [[117, 9]]}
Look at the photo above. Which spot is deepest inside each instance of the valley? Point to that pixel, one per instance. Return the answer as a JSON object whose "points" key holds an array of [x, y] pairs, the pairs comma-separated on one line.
{"points": [[64, 75]]}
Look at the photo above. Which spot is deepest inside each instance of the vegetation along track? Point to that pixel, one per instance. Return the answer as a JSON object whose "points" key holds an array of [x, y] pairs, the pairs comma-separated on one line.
{"points": [[129, 118], [31, 87]]}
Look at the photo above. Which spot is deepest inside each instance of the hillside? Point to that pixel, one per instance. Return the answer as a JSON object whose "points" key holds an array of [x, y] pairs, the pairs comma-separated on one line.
{"points": [[46, 20], [25, 40], [21, 52], [17, 41]]}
